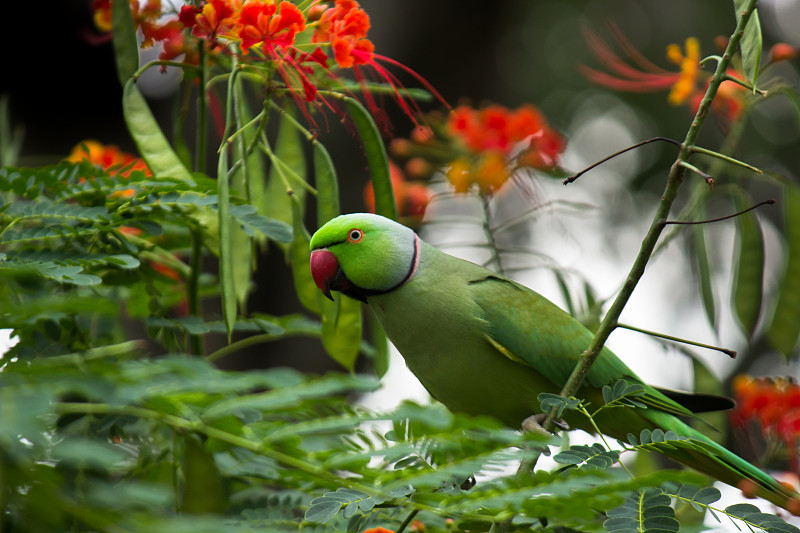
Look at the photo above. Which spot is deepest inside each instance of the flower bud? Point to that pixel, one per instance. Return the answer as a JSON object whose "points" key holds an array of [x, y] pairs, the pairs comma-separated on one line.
{"points": [[315, 12], [783, 51]]}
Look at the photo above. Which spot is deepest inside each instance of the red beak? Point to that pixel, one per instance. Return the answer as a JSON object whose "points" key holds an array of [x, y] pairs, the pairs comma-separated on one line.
{"points": [[324, 270]]}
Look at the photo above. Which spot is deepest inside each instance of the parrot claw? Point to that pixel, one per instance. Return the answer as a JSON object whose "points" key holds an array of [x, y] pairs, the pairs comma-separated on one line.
{"points": [[533, 424]]}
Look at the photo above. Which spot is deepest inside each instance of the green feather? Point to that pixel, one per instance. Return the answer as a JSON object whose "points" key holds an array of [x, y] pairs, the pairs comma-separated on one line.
{"points": [[481, 343]]}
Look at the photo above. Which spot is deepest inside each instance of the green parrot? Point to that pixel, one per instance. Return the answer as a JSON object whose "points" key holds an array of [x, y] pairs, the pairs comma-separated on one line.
{"points": [[481, 343]]}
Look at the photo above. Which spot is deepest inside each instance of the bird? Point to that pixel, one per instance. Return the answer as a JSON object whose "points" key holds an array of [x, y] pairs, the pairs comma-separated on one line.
{"points": [[483, 344]]}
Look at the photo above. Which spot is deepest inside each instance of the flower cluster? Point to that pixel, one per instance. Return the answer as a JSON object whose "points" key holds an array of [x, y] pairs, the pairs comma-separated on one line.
{"points": [[484, 147], [296, 41], [774, 405]]}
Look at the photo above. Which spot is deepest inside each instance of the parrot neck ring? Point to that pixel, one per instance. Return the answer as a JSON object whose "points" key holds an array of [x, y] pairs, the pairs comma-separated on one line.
{"points": [[328, 275]]}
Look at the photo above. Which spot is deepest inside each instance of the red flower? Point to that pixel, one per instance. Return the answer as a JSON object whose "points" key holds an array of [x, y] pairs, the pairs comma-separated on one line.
{"points": [[207, 22], [775, 405], [344, 27], [274, 26], [146, 19]]}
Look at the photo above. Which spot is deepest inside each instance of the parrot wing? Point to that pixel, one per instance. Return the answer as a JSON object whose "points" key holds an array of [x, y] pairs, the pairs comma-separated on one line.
{"points": [[530, 329]]}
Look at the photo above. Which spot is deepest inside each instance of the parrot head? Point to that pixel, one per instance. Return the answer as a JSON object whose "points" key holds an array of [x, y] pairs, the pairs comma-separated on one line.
{"points": [[363, 255]]}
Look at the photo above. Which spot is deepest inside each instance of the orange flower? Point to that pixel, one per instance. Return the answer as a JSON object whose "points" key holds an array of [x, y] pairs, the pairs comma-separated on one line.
{"points": [[108, 158], [101, 15], [378, 530], [686, 84], [459, 176], [209, 20], [495, 136], [481, 147]]}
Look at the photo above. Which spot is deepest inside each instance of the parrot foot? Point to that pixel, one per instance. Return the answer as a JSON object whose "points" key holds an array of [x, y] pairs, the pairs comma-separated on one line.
{"points": [[533, 424]]}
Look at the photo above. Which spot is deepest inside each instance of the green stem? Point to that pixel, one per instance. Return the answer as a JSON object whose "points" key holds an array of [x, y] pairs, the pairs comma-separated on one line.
{"points": [[283, 169], [600, 433], [744, 84], [193, 287], [244, 343], [674, 180], [407, 521], [162, 63], [723, 157], [241, 129], [200, 138], [709, 179], [487, 229], [726, 351]]}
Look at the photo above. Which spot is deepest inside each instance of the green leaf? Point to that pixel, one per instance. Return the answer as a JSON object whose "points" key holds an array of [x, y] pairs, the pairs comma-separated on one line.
{"points": [[341, 329], [123, 37], [642, 512], [748, 284], [703, 271], [149, 139], [707, 496], [226, 257], [748, 278], [277, 201], [300, 256], [751, 44], [322, 510], [246, 215], [71, 274], [376, 158], [327, 185], [785, 327], [94, 454], [203, 487], [550, 401]]}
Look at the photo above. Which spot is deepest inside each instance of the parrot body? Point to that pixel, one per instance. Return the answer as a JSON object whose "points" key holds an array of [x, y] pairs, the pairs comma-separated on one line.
{"points": [[483, 344]]}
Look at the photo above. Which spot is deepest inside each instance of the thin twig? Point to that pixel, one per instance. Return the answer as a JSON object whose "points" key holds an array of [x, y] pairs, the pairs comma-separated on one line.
{"points": [[730, 353], [723, 157], [709, 179], [574, 177], [771, 201]]}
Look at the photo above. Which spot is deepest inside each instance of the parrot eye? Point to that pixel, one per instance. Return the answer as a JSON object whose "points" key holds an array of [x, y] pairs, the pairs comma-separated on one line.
{"points": [[355, 235]]}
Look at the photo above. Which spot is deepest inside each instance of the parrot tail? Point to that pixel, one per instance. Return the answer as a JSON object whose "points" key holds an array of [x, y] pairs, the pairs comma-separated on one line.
{"points": [[691, 448]]}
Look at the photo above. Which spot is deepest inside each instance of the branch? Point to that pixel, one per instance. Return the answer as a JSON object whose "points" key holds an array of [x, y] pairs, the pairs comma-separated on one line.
{"points": [[771, 201], [574, 177], [674, 180], [730, 353]]}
